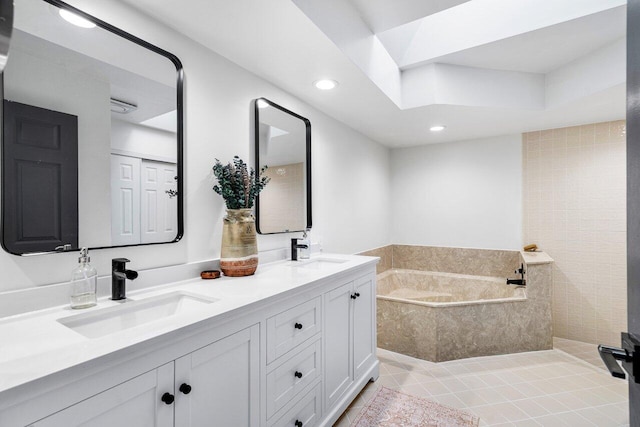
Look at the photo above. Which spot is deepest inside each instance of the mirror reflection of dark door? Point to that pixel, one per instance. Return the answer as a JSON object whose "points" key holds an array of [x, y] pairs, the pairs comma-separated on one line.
{"points": [[40, 175]]}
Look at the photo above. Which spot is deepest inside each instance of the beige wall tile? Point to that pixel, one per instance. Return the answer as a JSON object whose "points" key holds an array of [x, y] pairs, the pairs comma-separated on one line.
{"points": [[478, 262], [575, 210], [386, 257]]}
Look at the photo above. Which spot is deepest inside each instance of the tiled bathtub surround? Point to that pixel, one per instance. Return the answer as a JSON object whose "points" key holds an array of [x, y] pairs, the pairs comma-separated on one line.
{"points": [[445, 315], [385, 254], [476, 262], [575, 210]]}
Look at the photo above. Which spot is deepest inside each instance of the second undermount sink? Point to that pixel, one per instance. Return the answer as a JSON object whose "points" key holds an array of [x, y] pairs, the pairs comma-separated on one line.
{"points": [[98, 323]]}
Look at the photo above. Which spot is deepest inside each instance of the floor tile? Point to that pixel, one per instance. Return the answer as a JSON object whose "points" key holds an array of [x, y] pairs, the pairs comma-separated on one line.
{"points": [[531, 408], [545, 388], [435, 388]]}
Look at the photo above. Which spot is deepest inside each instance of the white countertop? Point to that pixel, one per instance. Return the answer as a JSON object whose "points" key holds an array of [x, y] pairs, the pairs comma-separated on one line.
{"points": [[34, 345]]}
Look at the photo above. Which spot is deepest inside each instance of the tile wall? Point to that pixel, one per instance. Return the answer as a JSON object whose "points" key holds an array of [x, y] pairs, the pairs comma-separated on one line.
{"points": [[280, 201], [475, 262], [575, 210]]}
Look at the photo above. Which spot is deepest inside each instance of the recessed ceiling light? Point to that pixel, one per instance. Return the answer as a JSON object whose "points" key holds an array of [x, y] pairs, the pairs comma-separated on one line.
{"points": [[325, 84], [261, 103], [75, 19], [437, 128]]}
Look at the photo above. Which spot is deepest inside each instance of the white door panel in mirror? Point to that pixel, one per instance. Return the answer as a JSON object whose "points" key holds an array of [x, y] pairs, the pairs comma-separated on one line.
{"points": [[125, 94]]}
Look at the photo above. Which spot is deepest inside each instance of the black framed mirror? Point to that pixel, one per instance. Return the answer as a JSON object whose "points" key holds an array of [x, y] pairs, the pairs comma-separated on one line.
{"points": [[92, 135], [283, 143]]}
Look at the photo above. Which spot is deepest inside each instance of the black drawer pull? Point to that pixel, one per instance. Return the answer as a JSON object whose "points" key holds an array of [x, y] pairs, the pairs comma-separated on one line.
{"points": [[298, 374], [167, 398], [298, 423], [298, 325], [185, 388], [353, 296]]}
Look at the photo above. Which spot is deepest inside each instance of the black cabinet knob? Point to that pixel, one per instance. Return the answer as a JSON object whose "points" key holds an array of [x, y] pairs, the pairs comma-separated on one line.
{"points": [[353, 296], [357, 294], [298, 326], [167, 398], [298, 423], [185, 388], [298, 374]]}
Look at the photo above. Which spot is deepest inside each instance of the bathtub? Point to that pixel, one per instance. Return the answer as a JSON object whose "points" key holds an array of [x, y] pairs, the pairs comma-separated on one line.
{"points": [[445, 316]]}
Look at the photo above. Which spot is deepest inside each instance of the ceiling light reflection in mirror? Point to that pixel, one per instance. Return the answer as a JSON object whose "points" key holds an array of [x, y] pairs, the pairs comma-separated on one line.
{"points": [[124, 94]]}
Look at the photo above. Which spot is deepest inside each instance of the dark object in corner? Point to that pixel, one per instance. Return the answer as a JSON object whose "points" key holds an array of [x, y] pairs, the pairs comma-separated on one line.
{"points": [[210, 274], [518, 282]]}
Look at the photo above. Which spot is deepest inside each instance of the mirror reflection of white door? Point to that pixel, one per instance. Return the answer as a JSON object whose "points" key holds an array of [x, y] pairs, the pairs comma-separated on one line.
{"points": [[158, 222], [125, 200], [142, 210]]}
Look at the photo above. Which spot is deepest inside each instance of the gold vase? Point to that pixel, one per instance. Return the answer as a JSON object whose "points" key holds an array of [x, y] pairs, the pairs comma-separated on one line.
{"points": [[239, 254]]}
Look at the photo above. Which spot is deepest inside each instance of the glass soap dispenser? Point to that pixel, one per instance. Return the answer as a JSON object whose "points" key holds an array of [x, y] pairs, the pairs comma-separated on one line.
{"points": [[84, 281]]}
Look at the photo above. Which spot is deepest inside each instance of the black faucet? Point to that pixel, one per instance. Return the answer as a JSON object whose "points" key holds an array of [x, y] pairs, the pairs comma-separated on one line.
{"points": [[518, 282], [119, 276], [294, 248]]}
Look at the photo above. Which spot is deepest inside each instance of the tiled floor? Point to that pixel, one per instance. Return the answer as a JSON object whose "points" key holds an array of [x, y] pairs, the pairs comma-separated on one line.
{"points": [[545, 388], [581, 350]]}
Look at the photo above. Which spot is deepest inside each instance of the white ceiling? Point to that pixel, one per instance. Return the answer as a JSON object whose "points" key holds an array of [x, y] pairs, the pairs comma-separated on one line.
{"points": [[382, 15], [545, 49], [556, 70]]}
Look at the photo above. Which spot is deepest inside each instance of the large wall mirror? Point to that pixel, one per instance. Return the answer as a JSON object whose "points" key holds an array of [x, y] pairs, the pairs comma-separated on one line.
{"points": [[283, 143], [91, 136]]}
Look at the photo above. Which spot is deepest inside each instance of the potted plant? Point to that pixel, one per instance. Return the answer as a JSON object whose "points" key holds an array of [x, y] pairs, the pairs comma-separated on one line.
{"points": [[239, 186]]}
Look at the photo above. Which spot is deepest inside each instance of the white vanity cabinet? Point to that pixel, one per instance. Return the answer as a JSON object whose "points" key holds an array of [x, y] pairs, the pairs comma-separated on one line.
{"points": [[215, 385], [224, 383], [349, 338], [136, 402], [296, 355]]}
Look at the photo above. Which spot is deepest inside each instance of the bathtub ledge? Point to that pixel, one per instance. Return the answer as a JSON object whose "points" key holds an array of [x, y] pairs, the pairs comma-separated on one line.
{"points": [[531, 258]]}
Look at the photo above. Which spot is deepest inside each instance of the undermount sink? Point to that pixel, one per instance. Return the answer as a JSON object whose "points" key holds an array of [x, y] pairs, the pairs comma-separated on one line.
{"points": [[318, 263], [129, 314]]}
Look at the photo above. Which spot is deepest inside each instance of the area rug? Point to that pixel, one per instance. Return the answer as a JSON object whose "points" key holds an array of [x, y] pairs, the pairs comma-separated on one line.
{"points": [[391, 408]]}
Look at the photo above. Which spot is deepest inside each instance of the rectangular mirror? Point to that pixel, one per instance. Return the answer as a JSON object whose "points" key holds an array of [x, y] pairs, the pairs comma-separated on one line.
{"points": [[283, 143], [92, 135]]}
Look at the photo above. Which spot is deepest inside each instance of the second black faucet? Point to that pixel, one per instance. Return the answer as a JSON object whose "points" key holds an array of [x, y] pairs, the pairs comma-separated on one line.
{"points": [[294, 248]]}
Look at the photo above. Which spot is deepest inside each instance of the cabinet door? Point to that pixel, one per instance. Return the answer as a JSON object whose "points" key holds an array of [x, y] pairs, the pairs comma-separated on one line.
{"points": [[224, 379], [136, 402], [364, 326], [337, 339]]}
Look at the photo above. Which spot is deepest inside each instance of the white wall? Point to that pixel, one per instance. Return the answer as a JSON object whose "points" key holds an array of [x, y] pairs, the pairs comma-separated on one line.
{"points": [[350, 172], [143, 140], [461, 194]]}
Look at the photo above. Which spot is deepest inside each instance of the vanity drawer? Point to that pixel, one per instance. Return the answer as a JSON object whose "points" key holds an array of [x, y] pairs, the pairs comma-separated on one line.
{"points": [[306, 411], [292, 327], [288, 380]]}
